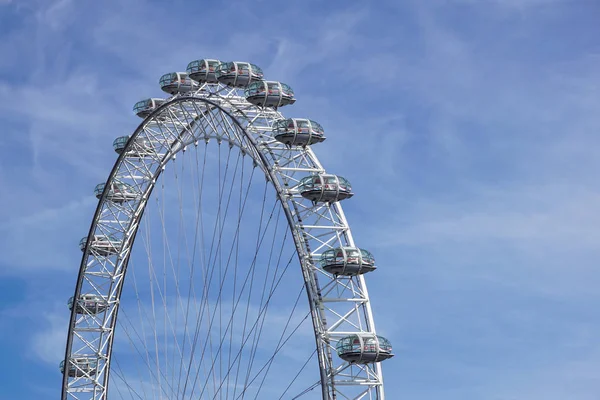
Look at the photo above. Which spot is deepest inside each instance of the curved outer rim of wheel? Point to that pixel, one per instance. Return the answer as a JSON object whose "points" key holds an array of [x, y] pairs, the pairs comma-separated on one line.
{"points": [[239, 136]]}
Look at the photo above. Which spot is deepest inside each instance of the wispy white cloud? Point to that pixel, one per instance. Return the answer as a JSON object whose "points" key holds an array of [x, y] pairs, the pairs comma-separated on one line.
{"points": [[45, 240], [56, 14], [48, 343], [468, 129], [549, 215]]}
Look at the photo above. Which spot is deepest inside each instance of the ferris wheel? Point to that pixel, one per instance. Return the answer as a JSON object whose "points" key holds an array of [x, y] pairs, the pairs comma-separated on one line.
{"points": [[212, 203]]}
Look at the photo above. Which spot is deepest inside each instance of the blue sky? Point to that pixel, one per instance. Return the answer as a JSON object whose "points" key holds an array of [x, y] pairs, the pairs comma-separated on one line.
{"points": [[469, 130]]}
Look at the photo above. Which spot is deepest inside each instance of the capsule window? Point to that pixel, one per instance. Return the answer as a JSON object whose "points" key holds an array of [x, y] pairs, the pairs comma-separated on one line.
{"points": [[168, 78], [273, 88], [255, 89], [352, 253], [256, 70], [287, 90], [303, 126], [317, 127], [225, 68], [371, 345], [367, 256]]}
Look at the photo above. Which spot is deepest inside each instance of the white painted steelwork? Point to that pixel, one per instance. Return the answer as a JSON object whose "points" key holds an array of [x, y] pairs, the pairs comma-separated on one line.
{"points": [[339, 305]]}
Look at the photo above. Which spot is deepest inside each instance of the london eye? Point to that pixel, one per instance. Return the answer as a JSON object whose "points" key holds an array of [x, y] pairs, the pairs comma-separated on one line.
{"points": [[214, 227]]}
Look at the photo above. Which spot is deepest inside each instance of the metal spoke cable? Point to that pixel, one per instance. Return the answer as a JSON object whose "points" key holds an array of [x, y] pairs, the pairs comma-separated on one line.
{"points": [[249, 293], [258, 333], [217, 256], [235, 274], [199, 224], [223, 273], [277, 351], [281, 342], [307, 390], [132, 343], [151, 273], [298, 374], [252, 266], [205, 295], [141, 322], [251, 269], [255, 325], [119, 373], [206, 284]]}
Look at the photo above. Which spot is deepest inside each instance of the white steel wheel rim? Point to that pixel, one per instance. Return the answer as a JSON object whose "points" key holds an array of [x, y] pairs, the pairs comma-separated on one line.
{"points": [[340, 306]]}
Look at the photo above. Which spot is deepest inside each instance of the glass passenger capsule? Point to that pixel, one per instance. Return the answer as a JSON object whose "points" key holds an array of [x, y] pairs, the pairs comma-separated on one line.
{"points": [[298, 132], [269, 94], [89, 304], [80, 366], [203, 70], [102, 245], [177, 82], [238, 74], [141, 147], [118, 192], [145, 107], [364, 349], [347, 261], [325, 188]]}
